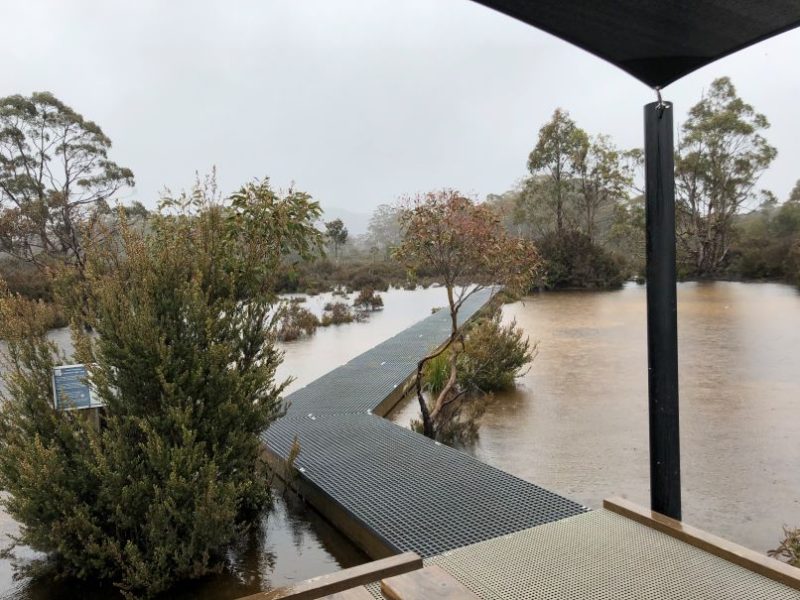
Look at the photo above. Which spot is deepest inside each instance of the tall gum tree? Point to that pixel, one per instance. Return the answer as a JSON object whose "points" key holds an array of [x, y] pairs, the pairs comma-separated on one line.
{"points": [[55, 179], [603, 177], [721, 155], [555, 158], [466, 245]]}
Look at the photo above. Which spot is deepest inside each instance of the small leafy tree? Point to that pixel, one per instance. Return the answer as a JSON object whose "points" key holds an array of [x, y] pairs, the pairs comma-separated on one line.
{"points": [[56, 179], [185, 363], [465, 245], [336, 233]]}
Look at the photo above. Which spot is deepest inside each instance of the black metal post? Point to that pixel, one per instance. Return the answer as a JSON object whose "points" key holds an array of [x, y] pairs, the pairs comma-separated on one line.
{"points": [[662, 311]]}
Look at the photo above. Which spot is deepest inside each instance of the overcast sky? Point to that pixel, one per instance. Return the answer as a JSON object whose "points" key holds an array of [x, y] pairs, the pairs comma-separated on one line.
{"points": [[357, 101]]}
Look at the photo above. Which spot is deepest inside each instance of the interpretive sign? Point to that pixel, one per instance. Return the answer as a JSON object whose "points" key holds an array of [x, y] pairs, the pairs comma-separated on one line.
{"points": [[71, 388]]}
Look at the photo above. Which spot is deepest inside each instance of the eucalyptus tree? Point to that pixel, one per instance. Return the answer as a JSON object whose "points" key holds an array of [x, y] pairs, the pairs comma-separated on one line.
{"points": [[603, 178], [794, 195], [383, 230], [56, 179], [721, 155], [555, 161], [337, 234]]}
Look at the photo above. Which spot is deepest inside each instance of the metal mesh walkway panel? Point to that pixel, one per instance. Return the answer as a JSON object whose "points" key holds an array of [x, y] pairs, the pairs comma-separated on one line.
{"points": [[360, 385], [412, 492], [601, 556]]}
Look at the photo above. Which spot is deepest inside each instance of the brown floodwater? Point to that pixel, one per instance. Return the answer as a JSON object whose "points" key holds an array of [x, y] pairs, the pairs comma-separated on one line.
{"points": [[577, 422]]}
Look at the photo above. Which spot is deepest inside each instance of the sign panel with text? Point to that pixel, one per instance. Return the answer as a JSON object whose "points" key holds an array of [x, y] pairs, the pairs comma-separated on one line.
{"points": [[71, 389]]}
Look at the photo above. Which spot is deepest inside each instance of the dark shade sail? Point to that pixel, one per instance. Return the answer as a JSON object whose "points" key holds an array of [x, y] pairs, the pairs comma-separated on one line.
{"points": [[656, 41]]}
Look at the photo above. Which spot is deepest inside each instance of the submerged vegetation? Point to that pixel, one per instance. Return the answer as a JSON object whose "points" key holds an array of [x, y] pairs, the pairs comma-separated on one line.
{"points": [[337, 313], [489, 358], [294, 321], [789, 549], [367, 299]]}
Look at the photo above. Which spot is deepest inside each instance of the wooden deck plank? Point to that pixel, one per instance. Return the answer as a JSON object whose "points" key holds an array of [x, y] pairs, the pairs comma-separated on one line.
{"points": [[430, 583], [359, 593], [325, 585], [739, 555]]}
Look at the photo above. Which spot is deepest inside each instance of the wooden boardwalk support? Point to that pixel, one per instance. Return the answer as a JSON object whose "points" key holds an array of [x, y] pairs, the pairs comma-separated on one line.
{"points": [[359, 593], [344, 580], [430, 583]]}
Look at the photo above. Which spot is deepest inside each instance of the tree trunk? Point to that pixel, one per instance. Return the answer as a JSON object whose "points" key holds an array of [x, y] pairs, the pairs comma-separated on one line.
{"points": [[429, 416]]}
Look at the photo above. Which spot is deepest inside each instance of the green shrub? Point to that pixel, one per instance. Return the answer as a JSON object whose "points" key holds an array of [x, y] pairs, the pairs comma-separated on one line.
{"points": [[26, 279], [186, 369], [337, 313], [572, 260], [789, 549], [292, 321], [435, 373], [494, 355], [367, 299], [793, 263]]}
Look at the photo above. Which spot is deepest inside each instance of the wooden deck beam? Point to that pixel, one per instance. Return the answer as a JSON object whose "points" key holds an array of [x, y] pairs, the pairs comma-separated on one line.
{"points": [[346, 579]]}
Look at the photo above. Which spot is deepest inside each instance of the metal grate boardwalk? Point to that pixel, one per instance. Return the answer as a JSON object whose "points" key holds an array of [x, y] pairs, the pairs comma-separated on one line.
{"points": [[405, 490], [600, 556], [360, 385], [412, 492], [393, 490]]}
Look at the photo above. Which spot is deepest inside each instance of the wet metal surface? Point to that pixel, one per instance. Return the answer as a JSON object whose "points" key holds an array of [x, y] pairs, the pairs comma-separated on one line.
{"points": [[406, 490]]}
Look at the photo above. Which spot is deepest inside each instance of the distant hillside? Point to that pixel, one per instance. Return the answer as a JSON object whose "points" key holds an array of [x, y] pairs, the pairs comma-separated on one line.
{"points": [[355, 222]]}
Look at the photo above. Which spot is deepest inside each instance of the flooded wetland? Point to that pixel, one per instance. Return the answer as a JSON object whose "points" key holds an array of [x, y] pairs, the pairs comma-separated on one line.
{"points": [[577, 421]]}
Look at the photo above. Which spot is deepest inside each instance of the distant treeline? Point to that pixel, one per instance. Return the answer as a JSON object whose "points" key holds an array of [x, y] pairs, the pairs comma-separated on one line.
{"points": [[581, 202]]}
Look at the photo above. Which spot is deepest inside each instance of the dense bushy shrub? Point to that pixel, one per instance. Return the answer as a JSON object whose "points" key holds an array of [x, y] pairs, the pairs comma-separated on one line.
{"points": [[26, 279], [186, 368], [494, 355], [367, 299], [572, 260], [293, 321], [765, 244], [337, 313], [793, 263]]}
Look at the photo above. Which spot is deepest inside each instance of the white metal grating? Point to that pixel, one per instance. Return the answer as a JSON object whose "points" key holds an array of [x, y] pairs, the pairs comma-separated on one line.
{"points": [[600, 556]]}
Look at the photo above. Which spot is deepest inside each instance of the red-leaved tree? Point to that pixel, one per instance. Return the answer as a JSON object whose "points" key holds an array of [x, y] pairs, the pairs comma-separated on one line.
{"points": [[465, 244]]}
